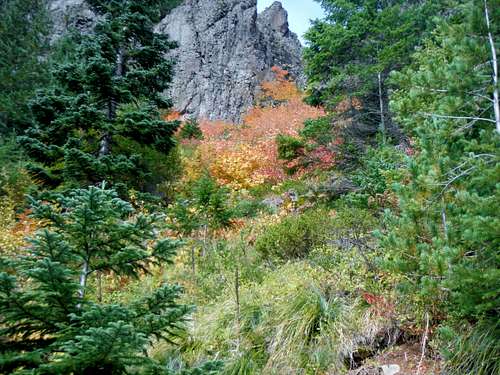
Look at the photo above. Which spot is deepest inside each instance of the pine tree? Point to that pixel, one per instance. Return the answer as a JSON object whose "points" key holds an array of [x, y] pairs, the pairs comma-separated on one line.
{"points": [[50, 322], [103, 112], [24, 34], [444, 241]]}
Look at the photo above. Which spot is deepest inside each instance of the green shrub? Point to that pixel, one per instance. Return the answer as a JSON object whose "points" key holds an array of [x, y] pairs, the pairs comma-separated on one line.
{"points": [[248, 208], [14, 180], [191, 130], [293, 321], [156, 172], [380, 167], [318, 130], [289, 147], [294, 236]]}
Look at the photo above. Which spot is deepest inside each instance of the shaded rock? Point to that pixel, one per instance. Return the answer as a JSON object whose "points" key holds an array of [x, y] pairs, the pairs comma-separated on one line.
{"points": [[336, 186], [70, 14], [273, 202]]}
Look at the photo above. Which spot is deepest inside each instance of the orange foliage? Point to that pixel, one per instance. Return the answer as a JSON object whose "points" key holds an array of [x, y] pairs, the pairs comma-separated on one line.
{"points": [[281, 88], [172, 116], [348, 104], [244, 156]]}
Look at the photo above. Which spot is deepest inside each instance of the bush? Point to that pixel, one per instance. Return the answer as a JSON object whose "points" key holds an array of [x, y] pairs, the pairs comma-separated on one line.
{"points": [[14, 180], [380, 167], [191, 130], [318, 130], [294, 321], [289, 147], [294, 236]]}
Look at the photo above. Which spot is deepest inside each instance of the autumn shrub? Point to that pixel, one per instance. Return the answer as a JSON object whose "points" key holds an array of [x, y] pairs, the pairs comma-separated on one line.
{"points": [[295, 235], [245, 156], [316, 146], [278, 90]]}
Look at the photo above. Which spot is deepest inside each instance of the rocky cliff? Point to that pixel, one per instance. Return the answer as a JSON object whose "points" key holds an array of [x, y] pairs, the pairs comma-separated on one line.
{"points": [[226, 49]]}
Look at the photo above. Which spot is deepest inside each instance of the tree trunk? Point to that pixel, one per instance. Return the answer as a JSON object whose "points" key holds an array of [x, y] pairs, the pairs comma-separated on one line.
{"points": [[237, 294], [99, 286], [83, 281], [112, 105], [494, 63], [193, 261], [381, 103]]}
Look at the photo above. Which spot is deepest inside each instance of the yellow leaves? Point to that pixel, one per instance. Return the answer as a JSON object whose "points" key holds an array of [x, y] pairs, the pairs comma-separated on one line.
{"points": [[239, 168], [13, 230]]}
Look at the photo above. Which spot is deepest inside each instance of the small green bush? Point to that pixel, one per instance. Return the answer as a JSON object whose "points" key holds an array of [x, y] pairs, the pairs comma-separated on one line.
{"points": [[318, 130], [380, 167], [295, 236], [191, 130], [289, 147]]}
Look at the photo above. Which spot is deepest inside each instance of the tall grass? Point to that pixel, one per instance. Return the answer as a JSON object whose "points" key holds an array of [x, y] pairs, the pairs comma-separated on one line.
{"points": [[476, 352], [295, 321]]}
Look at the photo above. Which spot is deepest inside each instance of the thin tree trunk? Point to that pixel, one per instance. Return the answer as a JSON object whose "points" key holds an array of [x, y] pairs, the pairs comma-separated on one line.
{"points": [[425, 337], [99, 286], [83, 281], [237, 293], [193, 262], [494, 62], [381, 103], [112, 105], [445, 225], [205, 238]]}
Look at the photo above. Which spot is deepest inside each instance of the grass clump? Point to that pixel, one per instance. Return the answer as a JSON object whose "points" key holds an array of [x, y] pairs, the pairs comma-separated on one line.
{"points": [[296, 320], [475, 352]]}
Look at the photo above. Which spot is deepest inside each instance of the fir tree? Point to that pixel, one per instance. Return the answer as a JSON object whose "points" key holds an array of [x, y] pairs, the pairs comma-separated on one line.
{"points": [[24, 34], [353, 50], [191, 130], [104, 107], [50, 322]]}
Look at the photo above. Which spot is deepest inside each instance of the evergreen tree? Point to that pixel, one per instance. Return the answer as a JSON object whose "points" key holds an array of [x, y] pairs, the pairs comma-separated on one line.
{"points": [[191, 130], [444, 241], [24, 34], [103, 112], [211, 201], [352, 51], [49, 321]]}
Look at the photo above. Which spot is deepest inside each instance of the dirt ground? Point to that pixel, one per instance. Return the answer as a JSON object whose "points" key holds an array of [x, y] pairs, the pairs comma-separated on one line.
{"points": [[407, 356]]}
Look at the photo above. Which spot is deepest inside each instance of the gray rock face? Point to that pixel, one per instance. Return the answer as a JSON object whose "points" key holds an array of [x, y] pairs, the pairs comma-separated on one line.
{"points": [[70, 13], [226, 50]]}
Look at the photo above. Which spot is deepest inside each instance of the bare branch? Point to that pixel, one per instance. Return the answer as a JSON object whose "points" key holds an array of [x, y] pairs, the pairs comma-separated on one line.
{"points": [[456, 117], [494, 63]]}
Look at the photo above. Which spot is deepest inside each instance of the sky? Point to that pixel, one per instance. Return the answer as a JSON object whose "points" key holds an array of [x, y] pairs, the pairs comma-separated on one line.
{"points": [[299, 13]]}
